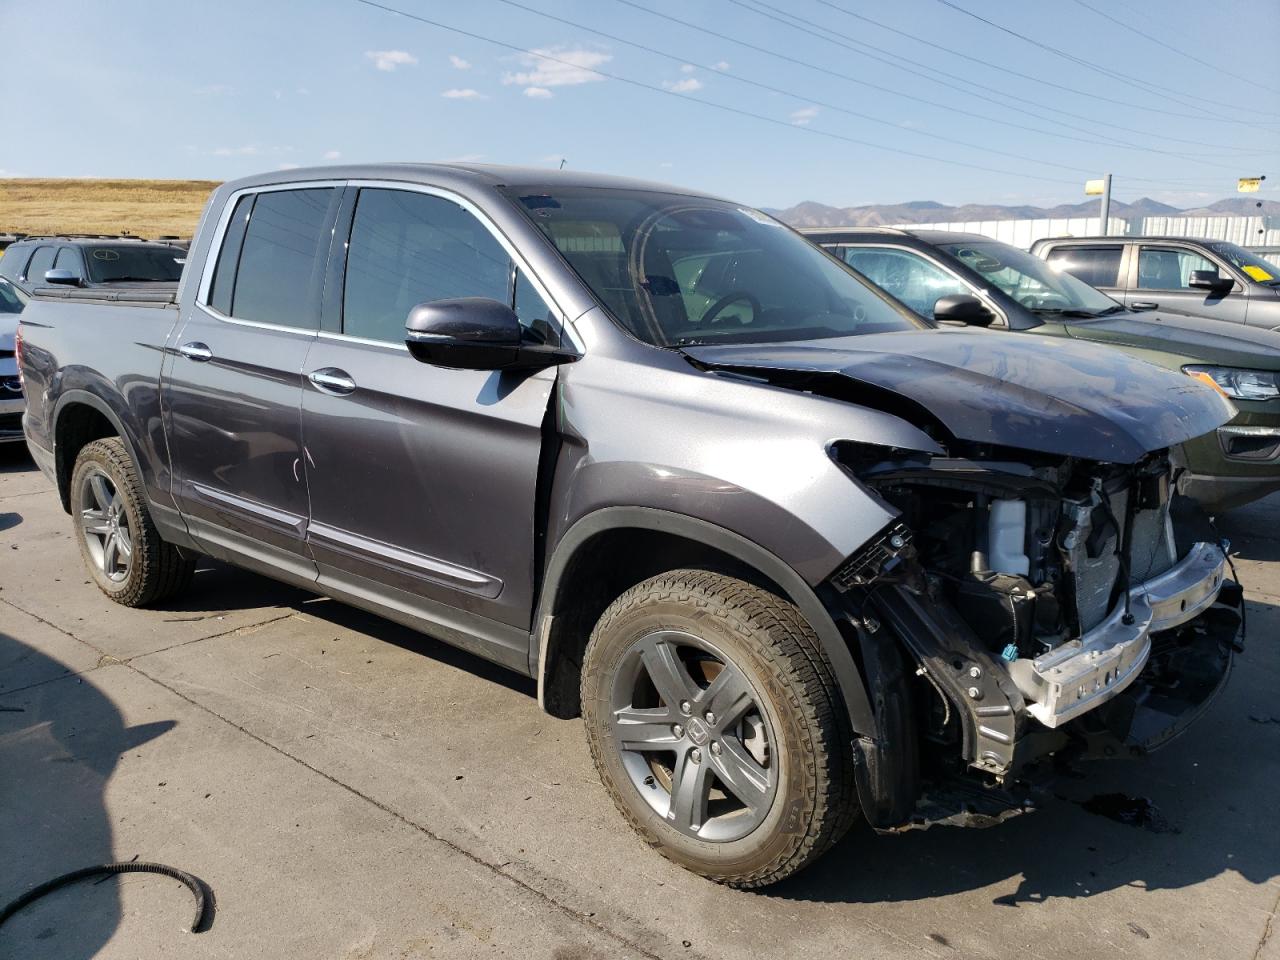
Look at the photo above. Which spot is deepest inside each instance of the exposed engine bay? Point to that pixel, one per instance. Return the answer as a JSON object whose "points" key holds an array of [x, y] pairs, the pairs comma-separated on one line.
{"points": [[1047, 602]]}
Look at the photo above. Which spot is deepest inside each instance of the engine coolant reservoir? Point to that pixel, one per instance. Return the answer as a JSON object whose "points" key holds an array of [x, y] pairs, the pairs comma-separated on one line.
{"points": [[1007, 537]]}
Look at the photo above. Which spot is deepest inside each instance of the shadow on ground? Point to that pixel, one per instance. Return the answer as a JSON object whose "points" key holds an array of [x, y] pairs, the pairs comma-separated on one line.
{"points": [[59, 745]]}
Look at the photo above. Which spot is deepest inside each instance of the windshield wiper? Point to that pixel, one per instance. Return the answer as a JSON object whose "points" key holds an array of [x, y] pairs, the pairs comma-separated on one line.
{"points": [[1077, 312]]}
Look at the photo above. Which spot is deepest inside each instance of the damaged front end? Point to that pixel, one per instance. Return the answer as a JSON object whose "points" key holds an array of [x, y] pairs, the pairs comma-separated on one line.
{"points": [[1048, 607]]}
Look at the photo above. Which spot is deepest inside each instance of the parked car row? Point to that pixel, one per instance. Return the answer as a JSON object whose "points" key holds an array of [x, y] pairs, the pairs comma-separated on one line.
{"points": [[795, 552], [973, 279]]}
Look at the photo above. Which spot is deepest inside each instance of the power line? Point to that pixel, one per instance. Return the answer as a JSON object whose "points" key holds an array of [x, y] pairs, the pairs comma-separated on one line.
{"points": [[827, 134], [805, 98], [1105, 71], [1002, 69], [828, 35], [1168, 46]]}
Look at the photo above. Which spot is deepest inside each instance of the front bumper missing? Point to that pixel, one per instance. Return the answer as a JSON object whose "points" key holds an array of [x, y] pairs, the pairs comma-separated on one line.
{"points": [[1078, 676]]}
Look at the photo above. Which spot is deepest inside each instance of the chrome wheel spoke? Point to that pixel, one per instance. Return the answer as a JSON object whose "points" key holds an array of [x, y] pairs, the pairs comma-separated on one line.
{"points": [[638, 729], [124, 545], [110, 554], [740, 774], [690, 792]]}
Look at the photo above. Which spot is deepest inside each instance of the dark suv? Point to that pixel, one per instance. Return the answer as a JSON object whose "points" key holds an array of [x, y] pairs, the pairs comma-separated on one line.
{"points": [[1199, 278], [87, 262]]}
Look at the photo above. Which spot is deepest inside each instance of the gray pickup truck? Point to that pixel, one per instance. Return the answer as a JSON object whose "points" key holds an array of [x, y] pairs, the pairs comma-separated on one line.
{"points": [[793, 554]]}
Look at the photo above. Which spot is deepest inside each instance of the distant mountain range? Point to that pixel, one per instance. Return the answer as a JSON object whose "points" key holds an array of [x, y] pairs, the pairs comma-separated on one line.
{"points": [[812, 214]]}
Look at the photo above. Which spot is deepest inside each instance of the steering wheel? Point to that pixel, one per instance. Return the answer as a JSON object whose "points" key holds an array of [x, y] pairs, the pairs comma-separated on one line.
{"points": [[733, 296]]}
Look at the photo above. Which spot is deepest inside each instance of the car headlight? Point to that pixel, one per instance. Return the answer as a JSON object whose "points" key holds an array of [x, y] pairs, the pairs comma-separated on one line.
{"points": [[1239, 384]]}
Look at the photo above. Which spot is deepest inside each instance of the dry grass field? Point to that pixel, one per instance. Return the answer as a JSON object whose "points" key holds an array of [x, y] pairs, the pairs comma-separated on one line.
{"points": [[144, 208]]}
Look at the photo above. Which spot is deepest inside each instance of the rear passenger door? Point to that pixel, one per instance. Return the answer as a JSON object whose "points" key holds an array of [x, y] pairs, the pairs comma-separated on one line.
{"points": [[422, 479], [233, 379], [1162, 273]]}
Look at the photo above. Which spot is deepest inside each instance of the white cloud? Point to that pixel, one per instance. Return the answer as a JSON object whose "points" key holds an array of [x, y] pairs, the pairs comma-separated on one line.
{"points": [[721, 65], [333, 155], [388, 60], [803, 115], [687, 85], [665, 164], [570, 67], [287, 166], [687, 68], [463, 93], [538, 93], [459, 63], [246, 151]]}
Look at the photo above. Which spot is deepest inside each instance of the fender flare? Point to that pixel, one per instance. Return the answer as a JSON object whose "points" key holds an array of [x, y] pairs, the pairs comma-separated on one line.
{"points": [[853, 690], [89, 399]]}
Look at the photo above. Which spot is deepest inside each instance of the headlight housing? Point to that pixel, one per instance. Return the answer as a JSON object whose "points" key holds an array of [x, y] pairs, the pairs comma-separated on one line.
{"points": [[1239, 384]]}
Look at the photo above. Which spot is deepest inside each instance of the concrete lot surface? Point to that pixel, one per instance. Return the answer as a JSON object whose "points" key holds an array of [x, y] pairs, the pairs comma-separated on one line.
{"points": [[350, 789]]}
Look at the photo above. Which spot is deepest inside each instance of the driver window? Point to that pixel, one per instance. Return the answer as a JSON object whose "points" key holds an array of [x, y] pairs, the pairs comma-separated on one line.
{"points": [[907, 276], [1169, 269]]}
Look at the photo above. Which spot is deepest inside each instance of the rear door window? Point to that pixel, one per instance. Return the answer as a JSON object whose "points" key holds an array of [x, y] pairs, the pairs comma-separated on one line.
{"points": [[1097, 266], [41, 261], [1167, 268], [408, 248], [286, 245]]}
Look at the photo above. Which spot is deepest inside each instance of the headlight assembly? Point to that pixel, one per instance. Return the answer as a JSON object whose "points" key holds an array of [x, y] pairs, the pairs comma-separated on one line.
{"points": [[1239, 384]]}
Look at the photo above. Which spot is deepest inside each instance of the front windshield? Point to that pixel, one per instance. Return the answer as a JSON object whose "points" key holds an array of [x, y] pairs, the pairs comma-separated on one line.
{"points": [[1036, 285], [678, 271], [123, 263], [1250, 264]]}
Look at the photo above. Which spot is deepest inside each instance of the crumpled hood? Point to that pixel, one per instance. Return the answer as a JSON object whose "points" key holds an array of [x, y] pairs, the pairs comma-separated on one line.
{"points": [[1036, 393], [1206, 340]]}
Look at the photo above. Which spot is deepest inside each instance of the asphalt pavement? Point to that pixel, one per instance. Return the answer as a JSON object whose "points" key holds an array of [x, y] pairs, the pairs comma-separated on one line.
{"points": [[351, 789]]}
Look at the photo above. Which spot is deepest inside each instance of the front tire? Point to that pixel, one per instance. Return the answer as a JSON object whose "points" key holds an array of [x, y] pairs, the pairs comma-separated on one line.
{"points": [[716, 726], [118, 540]]}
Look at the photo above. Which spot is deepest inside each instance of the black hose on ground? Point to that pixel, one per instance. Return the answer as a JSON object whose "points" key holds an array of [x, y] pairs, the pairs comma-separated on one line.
{"points": [[194, 884]]}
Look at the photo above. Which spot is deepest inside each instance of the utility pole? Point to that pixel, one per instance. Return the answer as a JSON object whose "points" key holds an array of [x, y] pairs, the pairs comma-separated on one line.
{"points": [[1106, 205], [1094, 187]]}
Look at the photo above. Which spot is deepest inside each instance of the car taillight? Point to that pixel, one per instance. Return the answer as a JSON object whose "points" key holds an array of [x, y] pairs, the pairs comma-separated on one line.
{"points": [[17, 354]]}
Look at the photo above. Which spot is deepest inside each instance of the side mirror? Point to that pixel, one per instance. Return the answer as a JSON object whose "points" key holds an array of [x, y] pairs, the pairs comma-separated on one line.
{"points": [[963, 308], [63, 278], [1210, 280], [475, 333]]}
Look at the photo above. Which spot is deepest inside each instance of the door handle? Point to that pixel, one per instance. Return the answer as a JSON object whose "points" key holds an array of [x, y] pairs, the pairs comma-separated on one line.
{"points": [[1144, 305], [332, 380], [197, 351]]}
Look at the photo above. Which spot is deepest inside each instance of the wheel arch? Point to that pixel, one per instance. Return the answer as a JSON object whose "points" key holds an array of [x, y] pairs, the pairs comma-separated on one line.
{"points": [[580, 583], [79, 418]]}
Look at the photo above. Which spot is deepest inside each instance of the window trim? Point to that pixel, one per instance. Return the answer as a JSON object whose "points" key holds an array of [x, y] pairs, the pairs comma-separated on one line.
{"points": [[78, 254], [927, 255]]}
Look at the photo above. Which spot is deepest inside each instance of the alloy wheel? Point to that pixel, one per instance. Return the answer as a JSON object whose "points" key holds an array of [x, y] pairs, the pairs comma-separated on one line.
{"points": [[693, 736], [104, 523]]}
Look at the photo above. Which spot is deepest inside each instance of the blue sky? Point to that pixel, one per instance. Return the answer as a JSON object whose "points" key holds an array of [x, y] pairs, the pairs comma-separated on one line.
{"points": [[145, 88]]}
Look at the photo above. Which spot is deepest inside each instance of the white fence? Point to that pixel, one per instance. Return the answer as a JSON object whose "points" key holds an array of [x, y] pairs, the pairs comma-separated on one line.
{"points": [[1261, 234]]}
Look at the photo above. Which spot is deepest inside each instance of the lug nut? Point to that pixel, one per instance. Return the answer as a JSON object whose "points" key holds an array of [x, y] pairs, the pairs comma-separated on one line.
{"points": [[695, 755], [975, 693], [975, 672], [716, 748], [678, 731], [686, 707], [711, 717]]}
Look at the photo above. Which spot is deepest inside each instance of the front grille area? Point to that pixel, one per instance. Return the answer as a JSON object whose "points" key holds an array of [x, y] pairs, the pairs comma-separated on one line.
{"points": [[10, 385], [10, 422]]}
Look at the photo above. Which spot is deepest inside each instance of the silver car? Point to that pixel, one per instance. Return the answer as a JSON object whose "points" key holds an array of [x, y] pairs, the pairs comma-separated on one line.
{"points": [[12, 302]]}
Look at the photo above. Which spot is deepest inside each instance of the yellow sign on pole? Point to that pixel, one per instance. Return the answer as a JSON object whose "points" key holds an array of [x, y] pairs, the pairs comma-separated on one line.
{"points": [[1248, 184], [1095, 188]]}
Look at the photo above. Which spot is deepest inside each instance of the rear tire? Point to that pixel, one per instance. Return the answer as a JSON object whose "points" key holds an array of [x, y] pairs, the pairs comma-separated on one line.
{"points": [[118, 540], [694, 678]]}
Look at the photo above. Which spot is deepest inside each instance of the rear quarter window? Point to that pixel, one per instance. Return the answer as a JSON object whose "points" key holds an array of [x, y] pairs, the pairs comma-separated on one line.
{"points": [[14, 259], [1097, 266]]}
